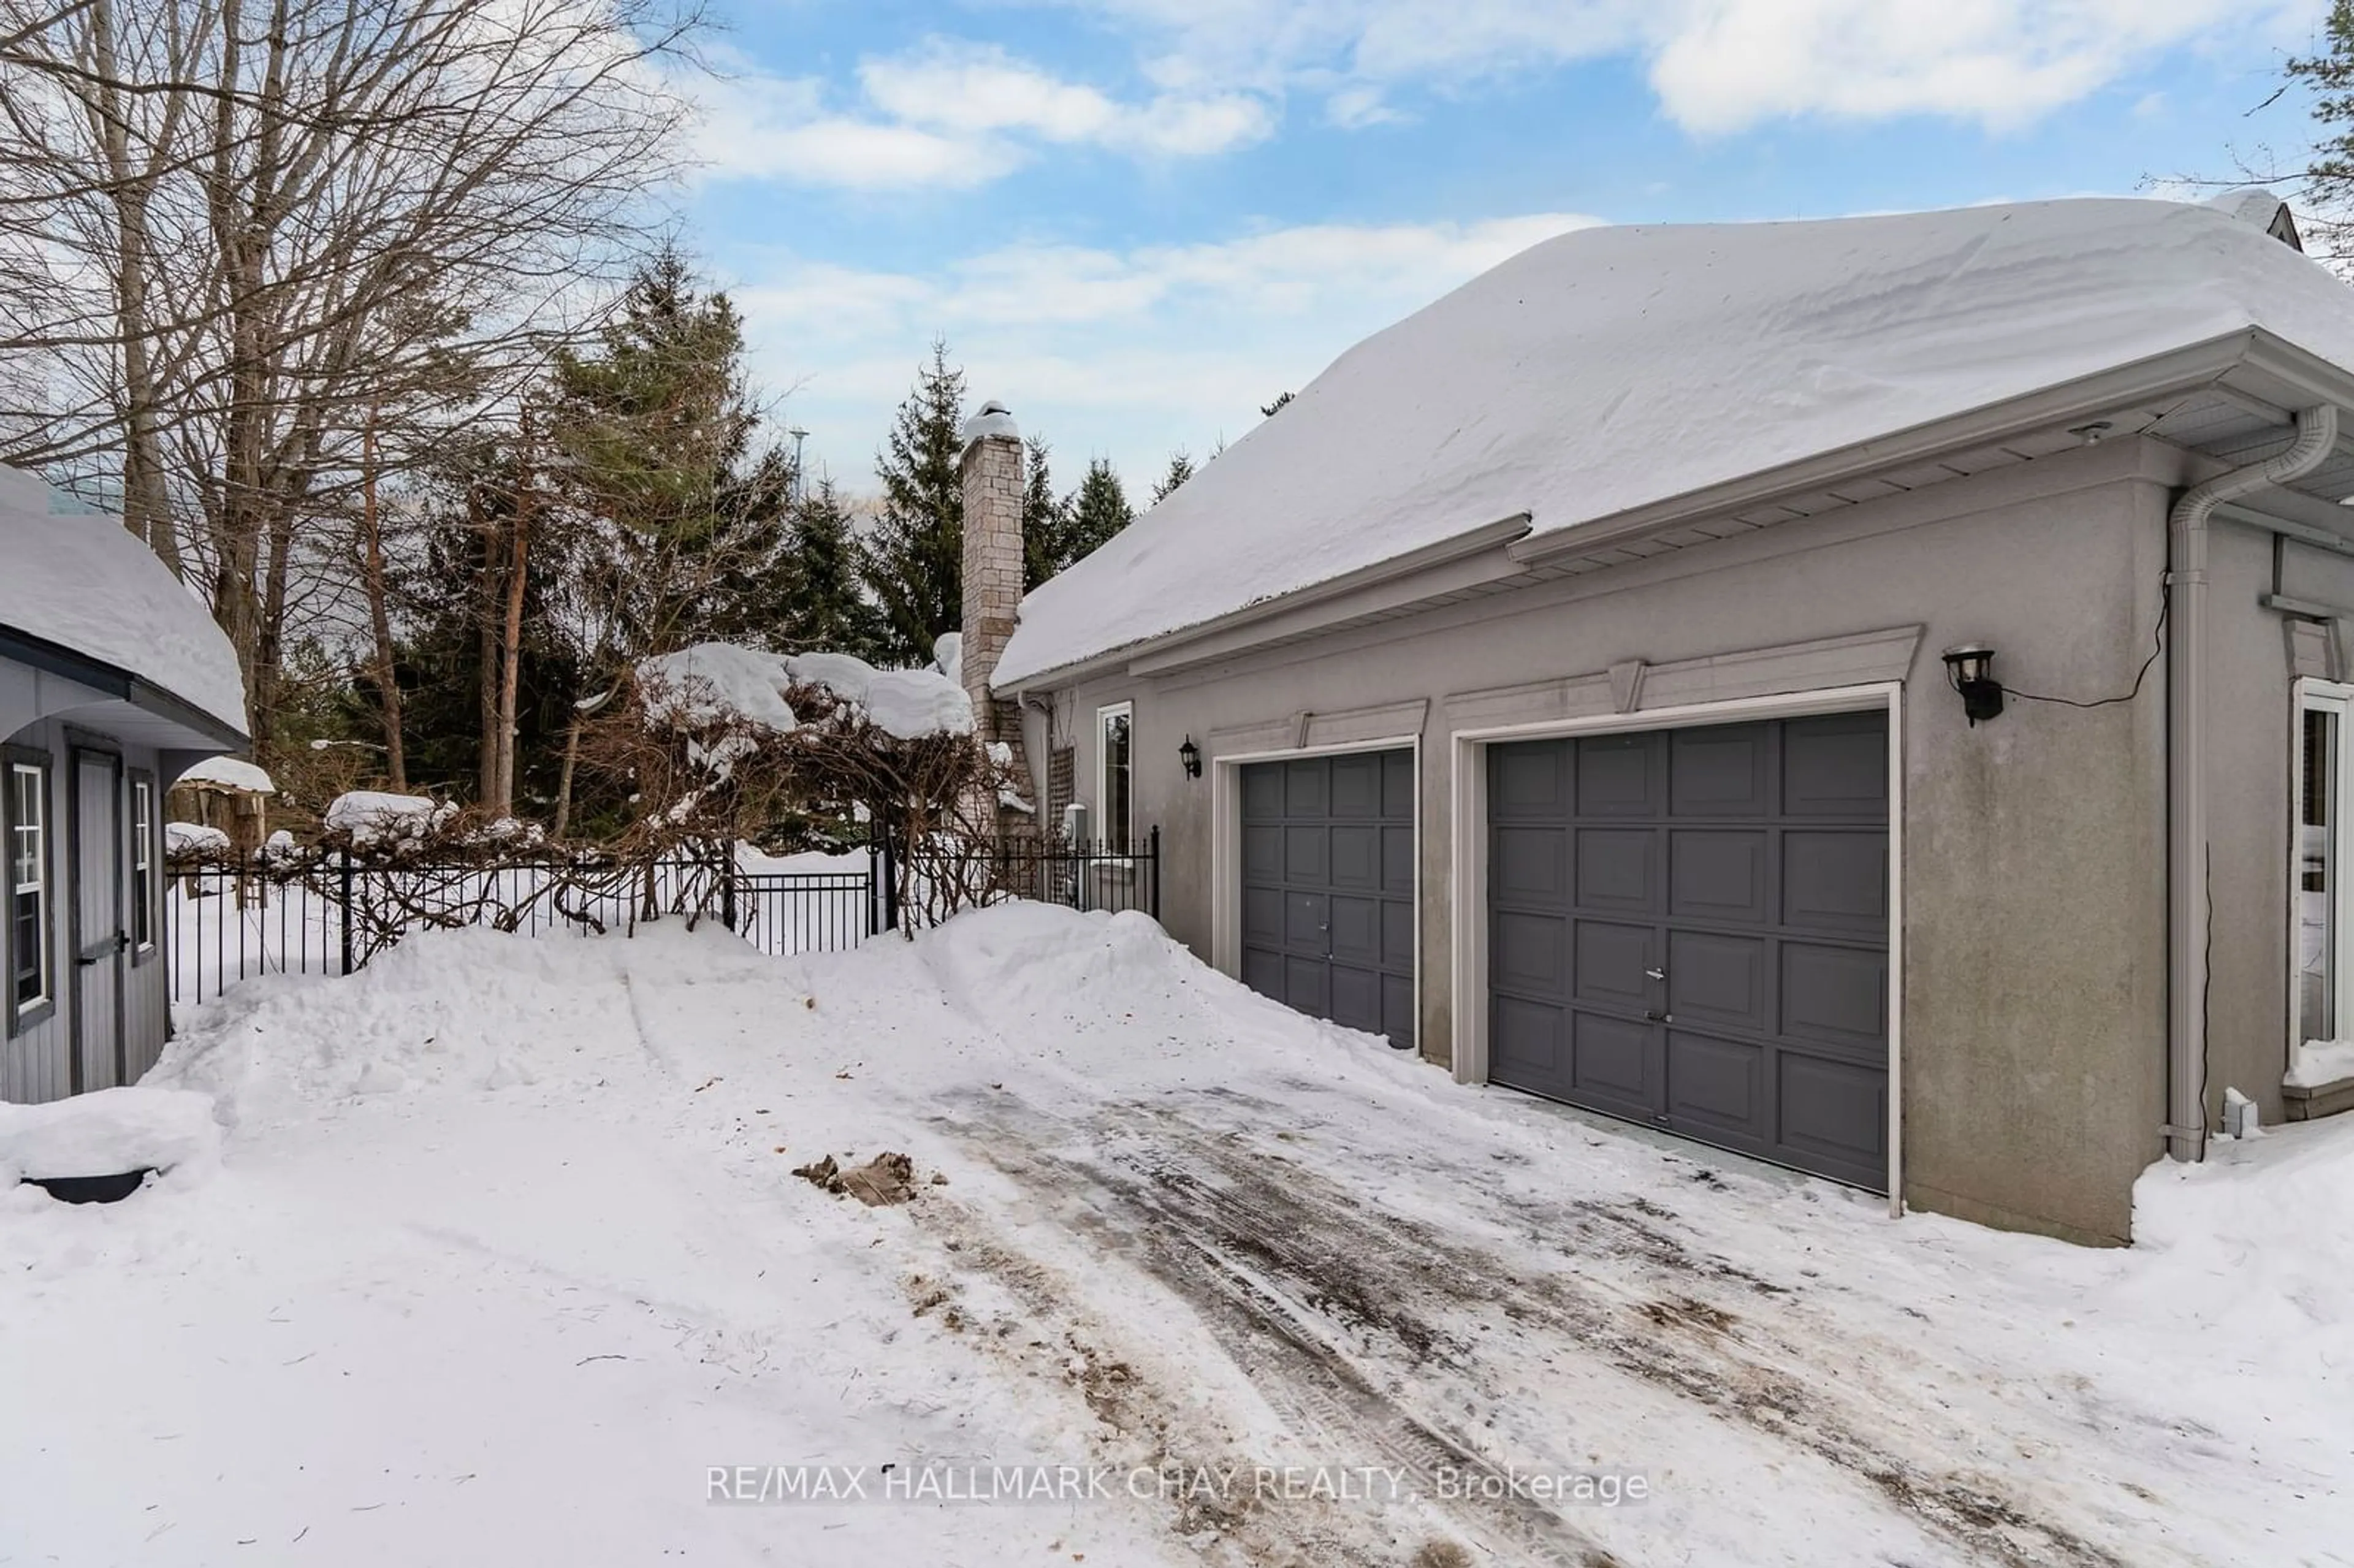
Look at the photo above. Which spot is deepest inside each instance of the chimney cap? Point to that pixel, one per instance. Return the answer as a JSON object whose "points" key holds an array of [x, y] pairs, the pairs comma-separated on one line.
{"points": [[995, 419]]}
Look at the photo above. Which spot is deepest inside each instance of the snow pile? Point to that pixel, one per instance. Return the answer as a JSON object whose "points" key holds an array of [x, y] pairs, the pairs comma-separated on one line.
{"points": [[232, 773], [194, 838], [81, 581], [108, 1133], [947, 656], [721, 682], [1612, 368], [372, 816], [2319, 1063]]}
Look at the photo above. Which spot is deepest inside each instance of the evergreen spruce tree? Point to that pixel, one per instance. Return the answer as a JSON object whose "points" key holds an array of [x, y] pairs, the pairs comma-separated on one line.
{"points": [[1045, 522], [913, 560], [1096, 509], [1180, 469], [2326, 181], [826, 607]]}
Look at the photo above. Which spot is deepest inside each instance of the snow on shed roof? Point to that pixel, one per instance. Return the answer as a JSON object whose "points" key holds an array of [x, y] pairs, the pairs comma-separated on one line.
{"points": [[79, 579], [1616, 368]]}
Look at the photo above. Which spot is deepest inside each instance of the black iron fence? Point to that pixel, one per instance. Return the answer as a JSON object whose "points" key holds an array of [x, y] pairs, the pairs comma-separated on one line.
{"points": [[328, 914]]}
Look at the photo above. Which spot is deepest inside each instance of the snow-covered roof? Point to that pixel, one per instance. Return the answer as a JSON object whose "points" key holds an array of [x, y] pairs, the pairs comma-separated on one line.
{"points": [[79, 580], [1616, 367], [231, 773]]}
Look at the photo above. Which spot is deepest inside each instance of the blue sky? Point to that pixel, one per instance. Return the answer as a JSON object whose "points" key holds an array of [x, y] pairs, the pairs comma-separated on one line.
{"points": [[1136, 220]]}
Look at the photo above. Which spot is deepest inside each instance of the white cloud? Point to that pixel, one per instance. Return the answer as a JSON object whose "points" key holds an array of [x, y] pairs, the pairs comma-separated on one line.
{"points": [[949, 115], [1127, 355], [1716, 65]]}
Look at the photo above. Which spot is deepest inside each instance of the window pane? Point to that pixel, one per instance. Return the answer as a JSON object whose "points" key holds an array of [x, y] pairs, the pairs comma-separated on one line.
{"points": [[2317, 877], [1116, 747]]}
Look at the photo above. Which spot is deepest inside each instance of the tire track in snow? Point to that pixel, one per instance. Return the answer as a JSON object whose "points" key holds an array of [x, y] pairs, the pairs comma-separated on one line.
{"points": [[1293, 1269]]}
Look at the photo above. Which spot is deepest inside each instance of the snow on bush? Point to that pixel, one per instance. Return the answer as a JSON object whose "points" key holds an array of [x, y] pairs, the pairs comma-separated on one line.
{"points": [[723, 684], [230, 773], [193, 839], [108, 1133], [372, 817]]}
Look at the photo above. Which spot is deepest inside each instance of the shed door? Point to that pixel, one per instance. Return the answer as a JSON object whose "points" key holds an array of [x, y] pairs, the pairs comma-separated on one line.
{"points": [[1328, 888], [99, 938], [1690, 929]]}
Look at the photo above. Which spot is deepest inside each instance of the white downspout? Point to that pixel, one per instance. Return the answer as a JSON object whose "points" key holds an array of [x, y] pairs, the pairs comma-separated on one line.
{"points": [[2186, 771]]}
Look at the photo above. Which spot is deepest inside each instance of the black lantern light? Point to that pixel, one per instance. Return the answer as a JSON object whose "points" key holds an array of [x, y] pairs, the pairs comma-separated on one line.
{"points": [[1970, 670], [1191, 755]]}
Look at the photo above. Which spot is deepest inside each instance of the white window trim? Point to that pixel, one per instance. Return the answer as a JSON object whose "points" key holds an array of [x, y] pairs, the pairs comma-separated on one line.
{"points": [[1127, 836], [145, 894], [2330, 696], [39, 773]]}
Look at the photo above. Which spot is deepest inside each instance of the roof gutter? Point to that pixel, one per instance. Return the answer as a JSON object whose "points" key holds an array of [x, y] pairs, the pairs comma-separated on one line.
{"points": [[2190, 919]]}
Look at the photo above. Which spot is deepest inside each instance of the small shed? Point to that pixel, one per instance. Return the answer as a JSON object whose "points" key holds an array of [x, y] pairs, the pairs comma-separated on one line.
{"points": [[113, 682]]}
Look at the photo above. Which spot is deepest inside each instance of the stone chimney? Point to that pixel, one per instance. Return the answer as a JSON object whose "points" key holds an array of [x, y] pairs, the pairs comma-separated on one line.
{"points": [[992, 472]]}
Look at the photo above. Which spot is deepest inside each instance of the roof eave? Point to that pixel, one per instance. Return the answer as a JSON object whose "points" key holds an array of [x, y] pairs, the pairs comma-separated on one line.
{"points": [[113, 680]]}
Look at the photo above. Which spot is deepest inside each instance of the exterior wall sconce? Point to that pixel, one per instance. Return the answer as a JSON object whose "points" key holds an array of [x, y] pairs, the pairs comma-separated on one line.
{"points": [[1969, 669], [1191, 755]]}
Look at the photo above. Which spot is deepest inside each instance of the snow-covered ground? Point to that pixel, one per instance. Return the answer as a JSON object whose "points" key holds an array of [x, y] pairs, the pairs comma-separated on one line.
{"points": [[503, 1260]]}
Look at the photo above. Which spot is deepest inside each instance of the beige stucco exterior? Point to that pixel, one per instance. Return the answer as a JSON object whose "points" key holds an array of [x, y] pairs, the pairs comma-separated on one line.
{"points": [[2033, 848]]}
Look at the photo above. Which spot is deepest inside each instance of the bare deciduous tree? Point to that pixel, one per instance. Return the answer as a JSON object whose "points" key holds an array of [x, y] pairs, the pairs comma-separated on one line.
{"points": [[239, 239]]}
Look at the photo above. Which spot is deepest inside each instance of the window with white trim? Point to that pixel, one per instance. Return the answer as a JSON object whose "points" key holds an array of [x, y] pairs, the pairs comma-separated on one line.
{"points": [[143, 864], [1115, 774], [29, 885]]}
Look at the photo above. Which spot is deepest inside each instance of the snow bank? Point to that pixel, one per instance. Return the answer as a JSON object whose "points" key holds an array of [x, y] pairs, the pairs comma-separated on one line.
{"points": [[108, 1133], [194, 838], [230, 773], [83, 582], [1615, 367], [716, 681], [2320, 1062], [371, 816]]}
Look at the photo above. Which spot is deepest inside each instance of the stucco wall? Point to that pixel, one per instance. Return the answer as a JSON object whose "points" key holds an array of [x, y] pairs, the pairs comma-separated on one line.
{"points": [[2033, 972], [2251, 760]]}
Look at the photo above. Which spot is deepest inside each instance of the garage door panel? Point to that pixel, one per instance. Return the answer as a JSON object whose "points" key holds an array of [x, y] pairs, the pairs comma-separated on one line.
{"points": [[1529, 1045], [1835, 881], [1615, 868], [1528, 863], [1618, 776], [1839, 994], [1719, 772], [1719, 979], [1719, 1084], [1307, 854], [1397, 861], [1397, 936], [1398, 786], [1613, 1059], [1263, 916], [1610, 963], [1357, 856], [1835, 1112], [1357, 998], [1528, 952], [1308, 789], [1717, 874], [1835, 766], [1327, 895], [1356, 933], [1527, 781], [1262, 855]]}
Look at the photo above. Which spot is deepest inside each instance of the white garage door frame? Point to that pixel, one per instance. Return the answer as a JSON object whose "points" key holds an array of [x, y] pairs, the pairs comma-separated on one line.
{"points": [[1469, 795], [1226, 847]]}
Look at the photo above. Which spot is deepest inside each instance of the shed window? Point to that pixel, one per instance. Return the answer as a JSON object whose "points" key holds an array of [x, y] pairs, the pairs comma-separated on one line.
{"points": [[28, 885], [1115, 727], [143, 864]]}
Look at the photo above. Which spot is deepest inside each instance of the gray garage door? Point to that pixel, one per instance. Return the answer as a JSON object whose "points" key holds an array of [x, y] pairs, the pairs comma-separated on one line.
{"points": [[1328, 888], [1690, 929]]}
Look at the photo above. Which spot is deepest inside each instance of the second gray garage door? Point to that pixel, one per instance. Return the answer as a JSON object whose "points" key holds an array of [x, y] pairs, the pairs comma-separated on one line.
{"points": [[1328, 888], [1690, 929]]}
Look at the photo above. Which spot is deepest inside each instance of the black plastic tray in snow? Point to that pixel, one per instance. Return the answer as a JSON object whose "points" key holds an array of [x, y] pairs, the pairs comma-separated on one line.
{"points": [[91, 1188]]}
